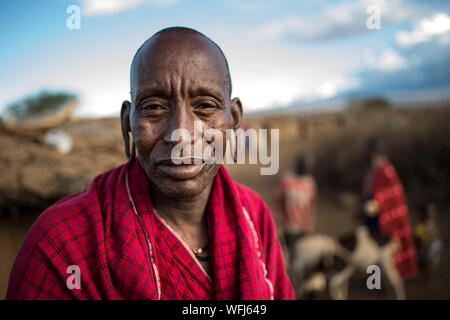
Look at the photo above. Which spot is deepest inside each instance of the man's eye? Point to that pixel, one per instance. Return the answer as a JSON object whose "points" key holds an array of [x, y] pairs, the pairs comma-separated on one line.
{"points": [[152, 106], [206, 105]]}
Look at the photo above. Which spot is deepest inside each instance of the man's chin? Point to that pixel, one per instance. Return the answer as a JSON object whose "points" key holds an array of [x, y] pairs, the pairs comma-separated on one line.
{"points": [[183, 189], [189, 189]]}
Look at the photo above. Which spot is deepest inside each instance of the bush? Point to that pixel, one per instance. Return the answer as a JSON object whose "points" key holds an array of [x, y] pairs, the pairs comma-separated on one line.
{"points": [[42, 103], [367, 104]]}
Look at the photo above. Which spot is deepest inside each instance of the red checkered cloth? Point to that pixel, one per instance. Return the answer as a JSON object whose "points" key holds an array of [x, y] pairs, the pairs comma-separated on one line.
{"points": [[295, 201], [124, 250], [387, 191]]}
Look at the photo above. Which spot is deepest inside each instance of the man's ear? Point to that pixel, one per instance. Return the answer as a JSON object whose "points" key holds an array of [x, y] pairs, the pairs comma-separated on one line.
{"points": [[126, 128], [236, 113]]}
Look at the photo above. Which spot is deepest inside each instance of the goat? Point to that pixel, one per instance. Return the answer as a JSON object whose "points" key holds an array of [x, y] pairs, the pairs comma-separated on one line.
{"points": [[315, 253]]}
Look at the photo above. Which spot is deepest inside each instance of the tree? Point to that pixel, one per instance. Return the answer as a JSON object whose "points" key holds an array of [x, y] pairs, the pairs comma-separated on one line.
{"points": [[367, 104], [43, 103]]}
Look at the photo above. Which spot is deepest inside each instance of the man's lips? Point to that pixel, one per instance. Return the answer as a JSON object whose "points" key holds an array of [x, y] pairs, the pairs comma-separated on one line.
{"points": [[181, 171]]}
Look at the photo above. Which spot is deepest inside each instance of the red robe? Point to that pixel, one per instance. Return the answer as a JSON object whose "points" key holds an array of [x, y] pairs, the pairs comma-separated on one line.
{"points": [[393, 221], [295, 201], [124, 250]]}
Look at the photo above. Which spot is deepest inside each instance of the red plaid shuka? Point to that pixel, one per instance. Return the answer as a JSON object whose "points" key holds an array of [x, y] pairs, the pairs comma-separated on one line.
{"points": [[126, 251], [295, 201], [387, 191]]}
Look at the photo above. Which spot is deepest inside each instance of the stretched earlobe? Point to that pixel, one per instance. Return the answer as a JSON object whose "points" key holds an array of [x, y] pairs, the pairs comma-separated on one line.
{"points": [[236, 113], [133, 150], [130, 152], [126, 129]]}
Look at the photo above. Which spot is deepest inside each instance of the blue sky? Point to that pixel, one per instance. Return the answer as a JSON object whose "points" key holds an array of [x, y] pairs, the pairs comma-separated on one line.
{"points": [[280, 52]]}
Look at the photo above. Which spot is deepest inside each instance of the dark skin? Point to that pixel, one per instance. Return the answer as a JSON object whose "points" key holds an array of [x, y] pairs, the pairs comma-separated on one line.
{"points": [[177, 79]]}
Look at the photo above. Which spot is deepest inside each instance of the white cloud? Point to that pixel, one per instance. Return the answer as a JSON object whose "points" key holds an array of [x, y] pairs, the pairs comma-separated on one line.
{"points": [[264, 75], [98, 7], [388, 60], [251, 5], [329, 89], [439, 24], [339, 20], [275, 29], [445, 38]]}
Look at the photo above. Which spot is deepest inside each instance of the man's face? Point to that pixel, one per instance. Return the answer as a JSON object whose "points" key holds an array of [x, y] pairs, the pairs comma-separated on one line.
{"points": [[177, 80]]}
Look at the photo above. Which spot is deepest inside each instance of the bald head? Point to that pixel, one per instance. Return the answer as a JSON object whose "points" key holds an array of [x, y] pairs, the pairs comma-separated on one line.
{"points": [[179, 50]]}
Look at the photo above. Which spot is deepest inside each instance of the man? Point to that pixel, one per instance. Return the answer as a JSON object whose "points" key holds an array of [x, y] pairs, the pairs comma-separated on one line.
{"points": [[384, 209], [296, 201], [151, 229]]}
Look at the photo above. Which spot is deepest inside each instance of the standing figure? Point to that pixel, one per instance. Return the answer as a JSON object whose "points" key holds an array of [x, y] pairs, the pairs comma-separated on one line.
{"points": [[384, 209], [428, 240], [296, 201]]}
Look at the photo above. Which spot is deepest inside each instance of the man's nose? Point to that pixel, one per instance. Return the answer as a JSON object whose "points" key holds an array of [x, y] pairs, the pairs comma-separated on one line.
{"points": [[181, 126]]}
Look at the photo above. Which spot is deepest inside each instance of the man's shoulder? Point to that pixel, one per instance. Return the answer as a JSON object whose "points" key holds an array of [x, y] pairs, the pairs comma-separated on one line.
{"points": [[76, 213], [247, 193], [253, 202], [260, 216]]}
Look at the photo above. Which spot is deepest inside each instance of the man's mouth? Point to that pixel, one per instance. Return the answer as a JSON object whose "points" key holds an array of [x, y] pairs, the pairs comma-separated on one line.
{"points": [[180, 171]]}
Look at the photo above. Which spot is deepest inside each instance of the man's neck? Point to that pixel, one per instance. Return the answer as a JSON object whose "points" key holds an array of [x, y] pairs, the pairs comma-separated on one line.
{"points": [[187, 218], [184, 214]]}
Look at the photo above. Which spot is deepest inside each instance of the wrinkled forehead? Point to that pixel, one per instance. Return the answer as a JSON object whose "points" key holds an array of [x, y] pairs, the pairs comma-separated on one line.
{"points": [[185, 62]]}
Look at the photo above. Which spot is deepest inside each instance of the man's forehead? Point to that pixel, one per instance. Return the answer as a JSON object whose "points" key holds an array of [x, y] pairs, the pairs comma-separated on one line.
{"points": [[193, 57]]}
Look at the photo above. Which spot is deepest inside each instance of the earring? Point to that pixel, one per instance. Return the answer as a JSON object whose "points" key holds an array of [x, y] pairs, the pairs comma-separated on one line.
{"points": [[133, 151], [131, 154]]}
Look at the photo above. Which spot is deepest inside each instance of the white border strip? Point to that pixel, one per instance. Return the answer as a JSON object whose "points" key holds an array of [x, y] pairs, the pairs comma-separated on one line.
{"points": [[150, 247], [255, 235]]}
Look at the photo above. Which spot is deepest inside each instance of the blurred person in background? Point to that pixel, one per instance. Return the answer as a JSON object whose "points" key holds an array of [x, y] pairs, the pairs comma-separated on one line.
{"points": [[428, 240], [296, 201], [384, 210]]}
